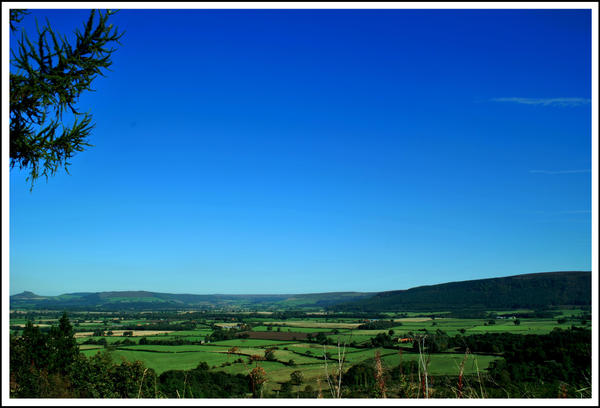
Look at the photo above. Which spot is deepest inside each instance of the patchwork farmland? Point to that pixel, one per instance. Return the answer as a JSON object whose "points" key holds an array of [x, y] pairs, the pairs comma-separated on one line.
{"points": [[315, 344]]}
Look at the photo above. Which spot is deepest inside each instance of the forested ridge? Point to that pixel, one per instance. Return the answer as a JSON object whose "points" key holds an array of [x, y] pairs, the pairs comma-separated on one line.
{"points": [[536, 290]]}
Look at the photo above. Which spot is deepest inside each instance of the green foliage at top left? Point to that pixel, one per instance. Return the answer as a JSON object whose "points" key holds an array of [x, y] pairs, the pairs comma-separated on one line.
{"points": [[48, 78]]}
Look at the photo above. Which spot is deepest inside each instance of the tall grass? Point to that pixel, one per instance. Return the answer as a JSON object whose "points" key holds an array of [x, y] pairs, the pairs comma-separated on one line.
{"points": [[424, 360], [334, 380], [379, 374]]}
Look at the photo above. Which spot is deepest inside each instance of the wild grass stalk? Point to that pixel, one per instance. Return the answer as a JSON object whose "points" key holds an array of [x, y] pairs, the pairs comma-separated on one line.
{"points": [[424, 360], [467, 390], [483, 395], [379, 375], [327, 377], [460, 374], [334, 380], [320, 392], [585, 392], [142, 382]]}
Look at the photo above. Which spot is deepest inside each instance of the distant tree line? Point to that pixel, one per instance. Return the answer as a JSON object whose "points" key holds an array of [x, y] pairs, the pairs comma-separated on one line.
{"points": [[220, 333], [378, 325], [161, 326]]}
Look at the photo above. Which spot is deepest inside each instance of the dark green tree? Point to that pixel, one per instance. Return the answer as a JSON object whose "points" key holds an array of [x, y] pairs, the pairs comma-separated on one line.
{"points": [[308, 392], [132, 380], [28, 356], [91, 377], [40, 363], [270, 355], [296, 377], [321, 338], [34, 346], [47, 77], [286, 390], [62, 346]]}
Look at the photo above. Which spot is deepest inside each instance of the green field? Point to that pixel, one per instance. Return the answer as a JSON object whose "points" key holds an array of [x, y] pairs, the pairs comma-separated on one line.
{"points": [[109, 339], [278, 373], [166, 361], [315, 349], [191, 333], [250, 343], [444, 363], [163, 358], [175, 349], [90, 347], [351, 337]]}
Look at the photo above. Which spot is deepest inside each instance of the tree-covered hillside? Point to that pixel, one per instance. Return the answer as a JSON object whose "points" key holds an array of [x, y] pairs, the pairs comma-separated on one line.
{"points": [[536, 290]]}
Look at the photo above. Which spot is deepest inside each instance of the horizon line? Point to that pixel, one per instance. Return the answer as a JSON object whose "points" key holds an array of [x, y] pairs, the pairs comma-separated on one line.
{"points": [[305, 293]]}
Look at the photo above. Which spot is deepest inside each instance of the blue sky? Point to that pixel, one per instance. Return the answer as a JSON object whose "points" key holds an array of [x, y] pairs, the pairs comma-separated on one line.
{"points": [[273, 151]]}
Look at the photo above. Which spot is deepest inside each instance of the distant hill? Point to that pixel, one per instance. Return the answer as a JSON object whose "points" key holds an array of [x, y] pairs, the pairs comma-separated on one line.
{"points": [[535, 290], [142, 300], [27, 296]]}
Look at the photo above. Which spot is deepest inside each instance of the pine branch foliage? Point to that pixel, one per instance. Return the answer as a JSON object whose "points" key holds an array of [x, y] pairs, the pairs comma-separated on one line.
{"points": [[46, 80]]}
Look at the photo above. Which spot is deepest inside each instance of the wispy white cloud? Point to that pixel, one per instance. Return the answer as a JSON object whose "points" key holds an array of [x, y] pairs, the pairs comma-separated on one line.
{"points": [[559, 171], [545, 101]]}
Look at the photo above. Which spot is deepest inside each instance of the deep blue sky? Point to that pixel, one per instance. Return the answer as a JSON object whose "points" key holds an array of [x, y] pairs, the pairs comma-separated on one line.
{"points": [[272, 151]]}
